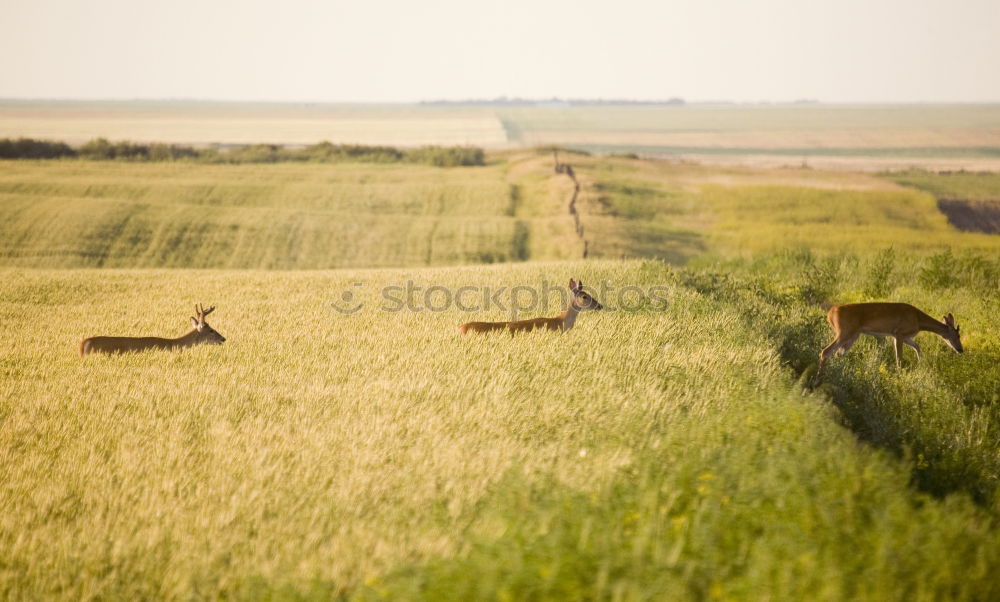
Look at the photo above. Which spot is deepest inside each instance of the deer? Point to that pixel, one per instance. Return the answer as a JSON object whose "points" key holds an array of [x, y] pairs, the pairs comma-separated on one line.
{"points": [[201, 334], [580, 300], [901, 321]]}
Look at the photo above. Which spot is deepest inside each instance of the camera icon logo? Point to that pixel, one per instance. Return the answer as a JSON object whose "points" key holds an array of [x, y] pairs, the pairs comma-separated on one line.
{"points": [[346, 304]]}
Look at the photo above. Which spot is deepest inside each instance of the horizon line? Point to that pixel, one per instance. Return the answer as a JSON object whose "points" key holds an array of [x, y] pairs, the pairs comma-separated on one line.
{"points": [[677, 102]]}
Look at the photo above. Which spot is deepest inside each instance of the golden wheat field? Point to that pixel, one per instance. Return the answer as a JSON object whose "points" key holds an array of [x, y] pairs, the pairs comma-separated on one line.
{"points": [[346, 442]]}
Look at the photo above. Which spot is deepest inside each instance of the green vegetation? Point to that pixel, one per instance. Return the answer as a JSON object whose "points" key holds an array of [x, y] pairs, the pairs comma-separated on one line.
{"points": [[679, 212], [971, 186], [653, 452], [27, 148]]}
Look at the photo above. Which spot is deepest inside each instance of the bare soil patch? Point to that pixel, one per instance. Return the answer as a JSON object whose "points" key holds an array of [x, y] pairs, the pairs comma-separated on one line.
{"points": [[972, 216]]}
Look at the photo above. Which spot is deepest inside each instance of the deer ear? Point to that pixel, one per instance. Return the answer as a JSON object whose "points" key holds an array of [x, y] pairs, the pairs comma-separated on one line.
{"points": [[194, 322], [572, 284], [950, 320]]}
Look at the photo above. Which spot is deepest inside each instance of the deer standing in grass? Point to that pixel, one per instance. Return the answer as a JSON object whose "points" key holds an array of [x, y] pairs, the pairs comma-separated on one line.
{"points": [[580, 301], [201, 334], [898, 320]]}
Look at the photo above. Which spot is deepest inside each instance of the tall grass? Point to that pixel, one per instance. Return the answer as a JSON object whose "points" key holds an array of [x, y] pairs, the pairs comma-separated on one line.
{"points": [[941, 412], [644, 454]]}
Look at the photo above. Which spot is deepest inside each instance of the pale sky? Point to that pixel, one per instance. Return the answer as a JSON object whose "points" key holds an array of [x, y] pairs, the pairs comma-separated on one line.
{"points": [[401, 51]]}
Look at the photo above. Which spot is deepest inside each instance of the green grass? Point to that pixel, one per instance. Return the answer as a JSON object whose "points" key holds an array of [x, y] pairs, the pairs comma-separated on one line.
{"points": [[955, 185], [679, 212]]}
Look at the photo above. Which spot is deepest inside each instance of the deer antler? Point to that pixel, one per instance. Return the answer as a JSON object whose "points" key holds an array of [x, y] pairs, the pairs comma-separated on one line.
{"points": [[201, 312]]}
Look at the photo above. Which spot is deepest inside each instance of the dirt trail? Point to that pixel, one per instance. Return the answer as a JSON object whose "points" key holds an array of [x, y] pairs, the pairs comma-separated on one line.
{"points": [[972, 216], [567, 169]]}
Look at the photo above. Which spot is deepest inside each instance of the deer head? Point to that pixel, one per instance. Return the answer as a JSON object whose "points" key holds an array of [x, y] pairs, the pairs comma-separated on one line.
{"points": [[207, 334], [952, 333], [581, 299]]}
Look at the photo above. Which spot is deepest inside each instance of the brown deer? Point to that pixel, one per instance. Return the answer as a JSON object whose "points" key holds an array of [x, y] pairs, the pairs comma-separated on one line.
{"points": [[580, 301], [201, 334], [898, 320]]}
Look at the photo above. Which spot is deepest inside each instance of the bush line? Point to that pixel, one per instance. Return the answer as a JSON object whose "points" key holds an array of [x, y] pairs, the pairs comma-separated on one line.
{"points": [[323, 152]]}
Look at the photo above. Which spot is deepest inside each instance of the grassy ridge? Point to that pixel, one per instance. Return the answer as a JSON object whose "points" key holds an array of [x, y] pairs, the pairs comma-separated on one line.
{"points": [[644, 454]]}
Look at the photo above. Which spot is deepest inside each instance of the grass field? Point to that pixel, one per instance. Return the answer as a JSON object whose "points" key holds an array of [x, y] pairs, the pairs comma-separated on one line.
{"points": [[665, 448], [82, 214], [105, 214]]}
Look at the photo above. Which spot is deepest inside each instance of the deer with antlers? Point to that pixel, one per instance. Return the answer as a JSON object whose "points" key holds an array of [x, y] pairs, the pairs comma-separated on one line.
{"points": [[901, 321], [201, 334], [580, 301]]}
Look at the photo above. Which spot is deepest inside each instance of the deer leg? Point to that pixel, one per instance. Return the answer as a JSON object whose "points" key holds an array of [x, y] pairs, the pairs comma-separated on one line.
{"points": [[898, 345], [823, 355], [913, 344], [828, 351], [846, 345]]}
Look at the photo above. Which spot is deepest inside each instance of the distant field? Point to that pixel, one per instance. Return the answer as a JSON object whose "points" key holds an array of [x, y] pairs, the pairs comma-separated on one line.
{"points": [[65, 214], [848, 137], [286, 216], [760, 126], [247, 123], [845, 137], [722, 212]]}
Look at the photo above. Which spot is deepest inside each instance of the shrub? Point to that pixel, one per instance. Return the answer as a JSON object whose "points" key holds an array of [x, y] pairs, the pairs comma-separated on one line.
{"points": [[28, 148], [938, 270], [452, 156], [878, 281]]}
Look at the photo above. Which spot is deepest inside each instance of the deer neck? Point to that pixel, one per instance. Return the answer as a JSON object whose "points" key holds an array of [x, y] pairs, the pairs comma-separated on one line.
{"points": [[569, 316], [929, 324], [188, 340]]}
